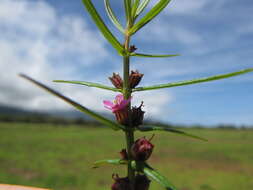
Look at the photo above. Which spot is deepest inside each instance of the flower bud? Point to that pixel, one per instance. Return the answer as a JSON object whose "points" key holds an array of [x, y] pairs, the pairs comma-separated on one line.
{"points": [[123, 154], [142, 149], [120, 183], [135, 78], [137, 115], [132, 49], [141, 182], [116, 80]]}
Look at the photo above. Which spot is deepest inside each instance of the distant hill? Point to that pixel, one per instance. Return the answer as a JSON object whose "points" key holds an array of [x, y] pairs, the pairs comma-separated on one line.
{"points": [[15, 114], [8, 110], [15, 111]]}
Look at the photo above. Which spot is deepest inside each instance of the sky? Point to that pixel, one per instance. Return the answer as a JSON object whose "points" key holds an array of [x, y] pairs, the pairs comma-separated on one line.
{"points": [[49, 39]]}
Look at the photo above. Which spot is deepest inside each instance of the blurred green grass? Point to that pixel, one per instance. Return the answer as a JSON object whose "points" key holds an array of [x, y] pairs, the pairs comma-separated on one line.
{"points": [[61, 157]]}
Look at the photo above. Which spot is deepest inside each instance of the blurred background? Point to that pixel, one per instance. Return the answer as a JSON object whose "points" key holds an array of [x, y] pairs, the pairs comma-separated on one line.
{"points": [[41, 136]]}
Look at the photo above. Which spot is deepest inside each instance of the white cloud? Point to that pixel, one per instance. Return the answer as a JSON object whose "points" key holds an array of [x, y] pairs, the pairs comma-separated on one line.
{"points": [[186, 6], [35, 40], [170, 33], [155, 103]]}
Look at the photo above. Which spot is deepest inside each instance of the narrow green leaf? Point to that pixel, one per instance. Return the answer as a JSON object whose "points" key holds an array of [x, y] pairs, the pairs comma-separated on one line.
{"points": [[127, 4], [194, 81], [103, 28], [81, 108], [99, 163], [141, 7], [158, 177], [135, 7], [89, 84], [169, 129], [155, 56], [112, 16], [149, 16]]}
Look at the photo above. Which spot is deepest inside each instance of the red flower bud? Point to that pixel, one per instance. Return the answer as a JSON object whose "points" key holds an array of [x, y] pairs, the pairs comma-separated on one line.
{"points": [[123, 154], [120, 183], [116, 80], [142, 149], [135, 78], [137, 115], [141, 182], [132, 49]]}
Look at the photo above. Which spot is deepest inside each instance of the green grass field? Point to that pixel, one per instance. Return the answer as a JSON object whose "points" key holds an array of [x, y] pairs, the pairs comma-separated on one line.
{"points": [[61, 157]]}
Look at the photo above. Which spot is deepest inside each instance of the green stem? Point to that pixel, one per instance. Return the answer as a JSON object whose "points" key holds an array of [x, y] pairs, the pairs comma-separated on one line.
{"points": [[130, 170], [127, 94]]}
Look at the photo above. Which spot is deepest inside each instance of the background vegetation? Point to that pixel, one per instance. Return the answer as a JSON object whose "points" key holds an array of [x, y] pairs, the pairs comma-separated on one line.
{"points": [[61, 156]]}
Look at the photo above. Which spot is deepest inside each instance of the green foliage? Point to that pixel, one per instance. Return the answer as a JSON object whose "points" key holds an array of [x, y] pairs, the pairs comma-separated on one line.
{"points": [[99, 163], [102, 27], [155, 175], [149, 16], [89, 84], [135, 7], [112, 16], [194, 81], [153, 56], [141, 7], [168, 129], [60, 158], [78, 106], [127, 6]]}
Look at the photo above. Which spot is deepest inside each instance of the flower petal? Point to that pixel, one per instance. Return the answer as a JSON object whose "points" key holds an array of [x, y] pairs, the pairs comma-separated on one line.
{"points": [[108, 104], [124, 103], [116, 108], [119, 98]]}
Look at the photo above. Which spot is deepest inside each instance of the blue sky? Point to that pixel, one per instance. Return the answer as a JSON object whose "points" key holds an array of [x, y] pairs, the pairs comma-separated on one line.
{"points": [[49, 40]]}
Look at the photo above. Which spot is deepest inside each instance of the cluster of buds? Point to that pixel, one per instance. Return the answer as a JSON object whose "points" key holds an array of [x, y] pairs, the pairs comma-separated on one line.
{"points": [[141, 183], [142, 148], [140, 151], [120, 105], [134, 79]]}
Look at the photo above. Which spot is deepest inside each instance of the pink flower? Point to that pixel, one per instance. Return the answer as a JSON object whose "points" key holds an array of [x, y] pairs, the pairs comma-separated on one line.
{"points": [[118, 104]]}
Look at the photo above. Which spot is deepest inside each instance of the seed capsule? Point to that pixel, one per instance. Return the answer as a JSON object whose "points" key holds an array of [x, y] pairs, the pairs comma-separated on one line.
{"points": [[116, 80], [137, 115], [120, 183], [142, 149], [135, 78]]}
